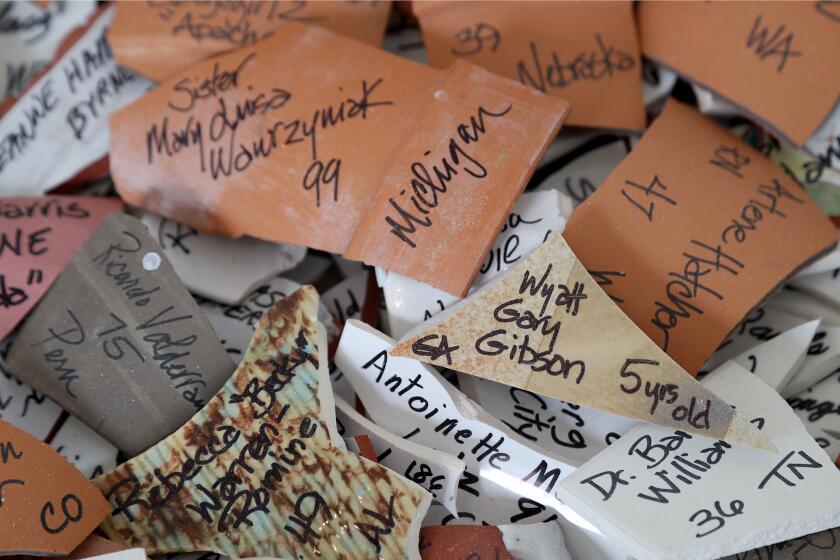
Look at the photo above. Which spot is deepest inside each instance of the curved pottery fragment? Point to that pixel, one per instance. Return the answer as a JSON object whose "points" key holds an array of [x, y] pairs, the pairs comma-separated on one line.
{"points": [[47, 507], [256, 471]]}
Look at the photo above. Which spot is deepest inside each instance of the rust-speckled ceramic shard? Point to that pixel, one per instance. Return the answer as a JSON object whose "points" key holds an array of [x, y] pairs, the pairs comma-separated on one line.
{"points": [[259, 472], [547, 326], [47, 507]]}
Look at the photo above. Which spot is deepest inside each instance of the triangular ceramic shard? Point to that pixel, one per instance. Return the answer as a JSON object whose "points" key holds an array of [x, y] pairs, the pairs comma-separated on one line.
{"points": [[117, 337], [47, 507], [256, 472], [777, 360], [546, 326]]}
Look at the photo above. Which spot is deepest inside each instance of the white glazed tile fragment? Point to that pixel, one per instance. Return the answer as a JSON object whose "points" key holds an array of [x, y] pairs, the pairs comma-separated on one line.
{"points": [[435, 471], [577, 432], [88, 451], [669, 495], [217, 267], [30, 47], [507, 479], [65, 113], [26, 408]]}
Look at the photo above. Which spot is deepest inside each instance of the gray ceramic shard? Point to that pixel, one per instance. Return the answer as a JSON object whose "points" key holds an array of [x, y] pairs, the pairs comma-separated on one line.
{"points": [[119, 342]]}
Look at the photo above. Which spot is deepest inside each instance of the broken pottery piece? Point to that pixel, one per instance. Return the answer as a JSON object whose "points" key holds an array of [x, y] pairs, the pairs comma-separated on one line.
{"points": [[38, 237], [694, 230], [217, 267], [535, 215], [117, 337], [668, 495], [62, 118], [26, 408], [85, 449], [47, 508], [572, 430], [257, 472], [510, 332], [587, 53], [160, 38], [27, 48]]}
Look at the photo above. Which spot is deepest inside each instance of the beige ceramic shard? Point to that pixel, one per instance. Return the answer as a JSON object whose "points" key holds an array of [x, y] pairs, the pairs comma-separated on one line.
{"points": [[546, 326], [256, 472]]}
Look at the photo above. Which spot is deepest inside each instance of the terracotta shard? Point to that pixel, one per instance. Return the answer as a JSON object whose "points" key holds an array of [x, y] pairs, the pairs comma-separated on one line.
{"points": [[118, 338], [47, 507], [584, 52], [38, 237], [286, 147], [487, 134], [693, 230], [547, 327], [787, 48], [445, 542], [92, 546], [257, 472], [160, 38]]}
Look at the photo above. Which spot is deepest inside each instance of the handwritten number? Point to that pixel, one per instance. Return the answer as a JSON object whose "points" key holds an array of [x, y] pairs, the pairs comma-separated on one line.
{"points": [[71, 509], [647, 191], [473, 39], [319, 174], [736, 507]]}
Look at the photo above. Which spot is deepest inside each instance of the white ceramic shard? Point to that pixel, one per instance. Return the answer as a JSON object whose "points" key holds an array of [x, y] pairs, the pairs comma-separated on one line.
{"points": [[777, 360], [26, 408], [535, 541], [310, 270], [410, 302], [819, 410], [435, 471], [581, 176], [805, 306], [824, 545], [217, 267], [28, 47], [422, 407], [346, 299], [712, 105], [828, 263], [127, 554], [64, 115], [85, 449], [669, 495], [767, 323], [825, 286], [547, 326], [507, 479], [575, 431]]}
